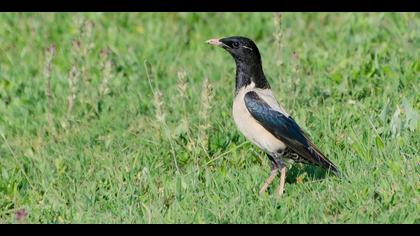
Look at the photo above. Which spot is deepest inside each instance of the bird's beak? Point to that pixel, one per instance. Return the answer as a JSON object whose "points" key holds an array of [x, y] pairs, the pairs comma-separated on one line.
{"points": [[216, 42]]}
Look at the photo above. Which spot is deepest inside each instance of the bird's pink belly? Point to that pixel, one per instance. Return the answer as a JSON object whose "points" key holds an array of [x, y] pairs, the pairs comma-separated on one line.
{"points": [[254, 132]]}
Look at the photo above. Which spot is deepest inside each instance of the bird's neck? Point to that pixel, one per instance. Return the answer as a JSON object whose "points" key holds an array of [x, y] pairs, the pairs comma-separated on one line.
{"points": [[246, 73]]}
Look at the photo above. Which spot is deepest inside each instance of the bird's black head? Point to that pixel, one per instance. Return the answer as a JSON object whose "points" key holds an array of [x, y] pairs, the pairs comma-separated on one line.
{"points": [[247, 59], [241, 48]]}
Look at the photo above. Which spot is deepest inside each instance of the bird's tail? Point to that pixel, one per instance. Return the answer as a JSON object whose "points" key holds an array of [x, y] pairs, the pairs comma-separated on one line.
{"points": [[323, 161]]}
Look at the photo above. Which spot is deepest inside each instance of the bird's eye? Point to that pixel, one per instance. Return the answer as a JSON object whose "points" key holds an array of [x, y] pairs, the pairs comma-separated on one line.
{"points": [[235, 44]]}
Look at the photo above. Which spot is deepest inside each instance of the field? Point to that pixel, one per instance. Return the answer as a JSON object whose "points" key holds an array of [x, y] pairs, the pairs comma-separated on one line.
{"points": [[126, 118]]}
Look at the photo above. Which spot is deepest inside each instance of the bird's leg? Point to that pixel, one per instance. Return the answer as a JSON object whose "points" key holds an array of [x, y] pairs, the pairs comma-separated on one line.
{"points": [[269, 180], [274, 170], [282, 180]]}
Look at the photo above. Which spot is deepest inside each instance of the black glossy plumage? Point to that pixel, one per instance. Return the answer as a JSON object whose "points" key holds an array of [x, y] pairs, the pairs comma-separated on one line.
{"points": [[285, 129], [248, 62]]}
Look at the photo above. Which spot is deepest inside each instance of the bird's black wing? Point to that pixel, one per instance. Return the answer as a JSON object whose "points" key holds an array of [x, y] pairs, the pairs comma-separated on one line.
{"points": [[285, 129]]}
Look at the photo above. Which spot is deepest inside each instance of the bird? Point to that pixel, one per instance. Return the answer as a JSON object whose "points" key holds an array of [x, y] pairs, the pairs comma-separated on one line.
{"points": [[262, 120]]}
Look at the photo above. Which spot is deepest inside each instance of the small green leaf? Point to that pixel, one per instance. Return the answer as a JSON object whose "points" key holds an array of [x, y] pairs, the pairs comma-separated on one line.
{"points": [[379, 142], [416, 66], [337, 77], [178, 191]]}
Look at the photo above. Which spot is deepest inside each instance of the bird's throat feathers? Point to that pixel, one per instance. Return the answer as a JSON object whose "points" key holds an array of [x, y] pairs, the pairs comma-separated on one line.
{"points": [[247, 73]]}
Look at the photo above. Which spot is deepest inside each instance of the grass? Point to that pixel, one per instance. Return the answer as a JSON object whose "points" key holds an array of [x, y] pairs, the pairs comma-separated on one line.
{"points": [[103, 119]]}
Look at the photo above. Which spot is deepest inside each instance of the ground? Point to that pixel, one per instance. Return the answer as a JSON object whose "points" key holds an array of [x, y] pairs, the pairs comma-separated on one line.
{"points": [[126, 118]]}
